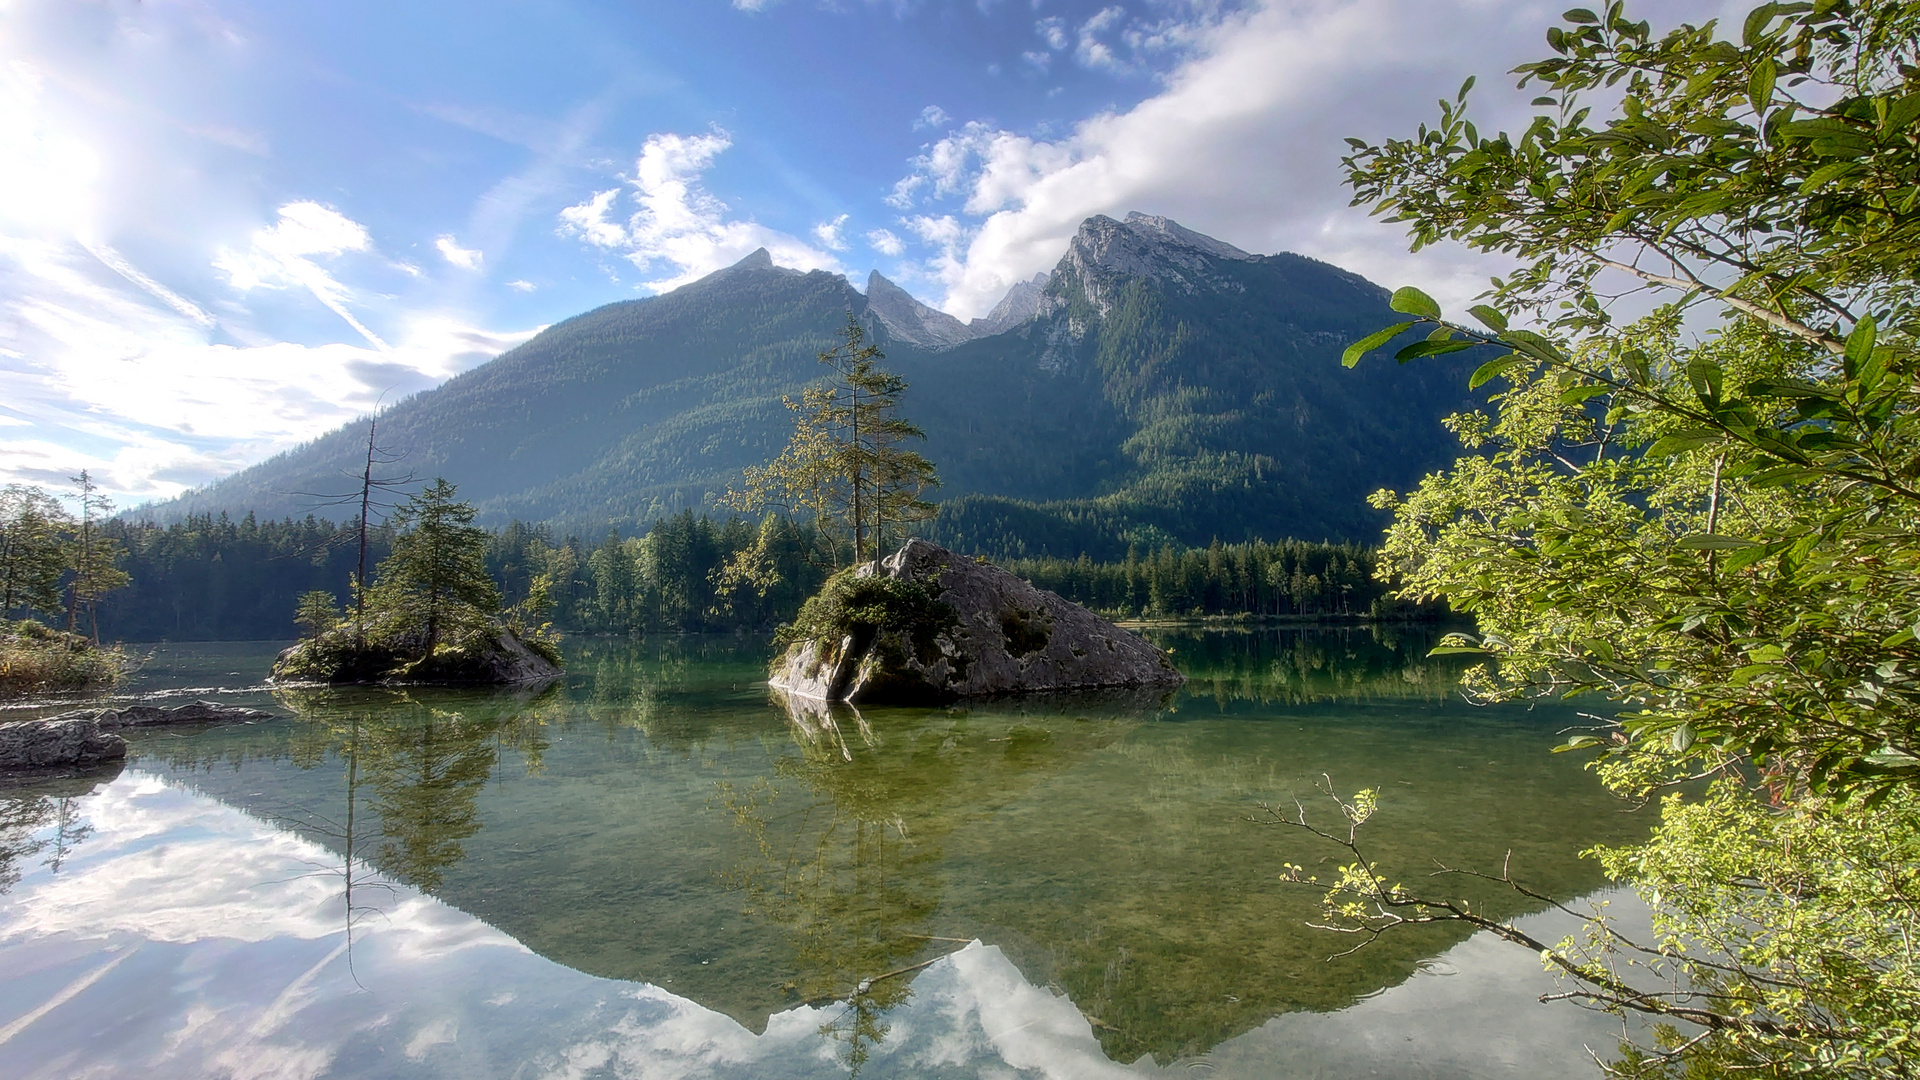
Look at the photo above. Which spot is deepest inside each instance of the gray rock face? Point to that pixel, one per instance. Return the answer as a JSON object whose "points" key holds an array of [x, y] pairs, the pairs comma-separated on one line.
{"points": [[1105, 252], [909, 320], [1009, 638], [1020, 304], [56, 742]]}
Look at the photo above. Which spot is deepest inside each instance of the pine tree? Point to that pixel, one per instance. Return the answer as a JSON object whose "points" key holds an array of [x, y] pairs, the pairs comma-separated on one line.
{"points": [[32, 557], [94, 559], [316, 613], [437, 576], [846, 465]]}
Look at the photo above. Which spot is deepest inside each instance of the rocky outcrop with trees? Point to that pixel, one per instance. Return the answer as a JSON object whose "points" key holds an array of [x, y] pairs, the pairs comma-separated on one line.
{"points": [[928, 625], [432, 615]]}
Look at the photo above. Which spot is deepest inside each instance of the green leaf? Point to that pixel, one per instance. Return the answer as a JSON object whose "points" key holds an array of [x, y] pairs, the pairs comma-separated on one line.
{"points": [[1408, 300], [1580, 15], [1760, 84], [1682, 738], [1489, 317], [1859, 346], [1705, 376], [1464, 87], [1455, 650], [1574, 395], [1679, 444], [1492, 369], [1371, 342], [1430, 348]]}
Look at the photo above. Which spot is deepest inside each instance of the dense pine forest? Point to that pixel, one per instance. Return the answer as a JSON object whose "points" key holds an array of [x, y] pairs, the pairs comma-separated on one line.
{"points": [[213, 578]]}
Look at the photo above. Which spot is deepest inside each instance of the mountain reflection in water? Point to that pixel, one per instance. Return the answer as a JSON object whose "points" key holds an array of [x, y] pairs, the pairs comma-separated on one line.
{"points": [[889, 892]]}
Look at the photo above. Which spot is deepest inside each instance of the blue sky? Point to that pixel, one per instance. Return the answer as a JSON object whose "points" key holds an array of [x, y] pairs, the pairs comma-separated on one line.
{"points": [[227, 227]]}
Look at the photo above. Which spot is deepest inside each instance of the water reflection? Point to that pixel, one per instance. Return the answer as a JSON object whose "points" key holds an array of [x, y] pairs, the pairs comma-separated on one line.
{"points": [[42, 818], [184, 940], [660, 820]]}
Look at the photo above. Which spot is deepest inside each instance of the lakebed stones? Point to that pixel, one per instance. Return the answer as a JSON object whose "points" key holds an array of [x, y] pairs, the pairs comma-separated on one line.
{"points": [[1003, 636], [86, 737]]}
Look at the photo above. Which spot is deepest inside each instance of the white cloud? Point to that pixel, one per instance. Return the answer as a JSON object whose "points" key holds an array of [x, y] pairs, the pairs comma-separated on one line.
{"points": [[450, 249], [1053, 31], [1243, 142], [520, 286], [1091, 51], [283, 254], [1041, 61], [885, 242], [677, 224], [588, 221], [146, 396], [828, 233], [933, 116]]}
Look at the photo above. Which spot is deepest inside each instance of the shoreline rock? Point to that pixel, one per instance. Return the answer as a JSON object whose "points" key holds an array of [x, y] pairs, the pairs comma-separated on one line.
{"points": [[1004, 637], [84, 737]]}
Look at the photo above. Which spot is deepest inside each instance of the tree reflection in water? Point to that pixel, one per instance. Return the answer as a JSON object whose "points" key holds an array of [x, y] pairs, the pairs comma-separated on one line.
{"points": [[425, 756], [29, 807], [849, 860]]}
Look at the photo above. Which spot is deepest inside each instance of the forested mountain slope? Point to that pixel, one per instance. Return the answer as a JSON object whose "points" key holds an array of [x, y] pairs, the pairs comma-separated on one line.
{"points": [[1166, 385]]}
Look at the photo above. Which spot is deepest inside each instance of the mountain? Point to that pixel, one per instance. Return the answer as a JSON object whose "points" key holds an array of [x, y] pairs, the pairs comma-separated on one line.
{"points": [[1160, 385], [909, 320], [1021, 303]]}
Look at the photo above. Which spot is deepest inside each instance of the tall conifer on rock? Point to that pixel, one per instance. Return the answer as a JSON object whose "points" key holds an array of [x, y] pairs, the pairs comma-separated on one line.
{"points": [[846, 466], [437, 576]]}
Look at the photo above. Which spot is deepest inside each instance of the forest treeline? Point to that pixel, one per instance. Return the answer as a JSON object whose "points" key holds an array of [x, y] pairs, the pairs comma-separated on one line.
{"points": [[214, 577]]}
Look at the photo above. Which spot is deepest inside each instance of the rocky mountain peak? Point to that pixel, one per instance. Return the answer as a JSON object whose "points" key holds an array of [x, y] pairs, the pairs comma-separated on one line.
{"points": [[1021, 303], [1147, 246], [911, 321]]}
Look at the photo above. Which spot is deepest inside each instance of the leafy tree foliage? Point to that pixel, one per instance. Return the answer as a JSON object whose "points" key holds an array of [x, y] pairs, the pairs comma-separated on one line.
{"points": [[215, 578], [1716, 532], [845, 469], [317, 613]]}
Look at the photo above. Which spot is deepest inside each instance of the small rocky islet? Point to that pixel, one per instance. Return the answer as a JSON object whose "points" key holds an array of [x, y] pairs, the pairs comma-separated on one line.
{"points": [[925, 625]]}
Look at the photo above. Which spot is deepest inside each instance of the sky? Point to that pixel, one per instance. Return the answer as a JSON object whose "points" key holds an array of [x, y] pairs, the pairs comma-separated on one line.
{"points": [[227, 228]]}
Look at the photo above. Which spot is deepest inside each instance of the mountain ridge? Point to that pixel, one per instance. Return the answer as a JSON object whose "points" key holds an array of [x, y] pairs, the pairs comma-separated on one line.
{"points": [[1159, 384]]}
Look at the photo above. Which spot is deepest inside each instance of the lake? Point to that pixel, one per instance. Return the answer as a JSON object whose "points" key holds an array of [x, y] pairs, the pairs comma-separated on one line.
{"points": [[654, 869]]}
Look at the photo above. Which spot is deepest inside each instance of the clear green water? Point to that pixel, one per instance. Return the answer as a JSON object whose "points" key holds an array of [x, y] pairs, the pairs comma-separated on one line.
{"points": [[655, 869]]}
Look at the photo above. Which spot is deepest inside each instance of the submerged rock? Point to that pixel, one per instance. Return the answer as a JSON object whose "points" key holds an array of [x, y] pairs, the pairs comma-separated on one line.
{"points": [[960, 628], [194, 712]]}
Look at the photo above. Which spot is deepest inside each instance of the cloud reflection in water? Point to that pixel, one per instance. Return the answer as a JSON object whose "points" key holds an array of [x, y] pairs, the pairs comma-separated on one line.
{"points": [[191, 939]]}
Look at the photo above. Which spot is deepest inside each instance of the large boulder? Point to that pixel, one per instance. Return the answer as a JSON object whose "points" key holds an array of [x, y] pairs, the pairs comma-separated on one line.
{"points": [[936, 626], [56, 742]]}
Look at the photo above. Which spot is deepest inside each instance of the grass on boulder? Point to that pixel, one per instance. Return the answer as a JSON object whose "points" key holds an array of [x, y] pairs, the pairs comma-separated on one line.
{"points": [[861, 607]]}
